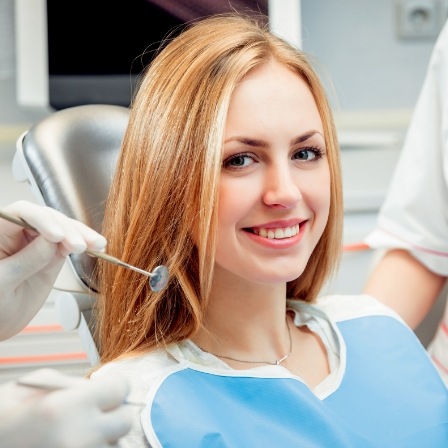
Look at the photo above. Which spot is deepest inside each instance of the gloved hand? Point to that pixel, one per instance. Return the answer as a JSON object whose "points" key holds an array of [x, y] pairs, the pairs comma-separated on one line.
{"points": [[30, 262], [86, 414]]}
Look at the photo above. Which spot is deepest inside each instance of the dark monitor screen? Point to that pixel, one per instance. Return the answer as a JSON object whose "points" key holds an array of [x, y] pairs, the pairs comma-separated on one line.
{"points": [[96, 48], [92, 51]]}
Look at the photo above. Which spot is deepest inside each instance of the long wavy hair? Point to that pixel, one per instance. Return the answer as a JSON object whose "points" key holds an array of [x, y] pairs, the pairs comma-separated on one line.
{"points": [[165, 188]]}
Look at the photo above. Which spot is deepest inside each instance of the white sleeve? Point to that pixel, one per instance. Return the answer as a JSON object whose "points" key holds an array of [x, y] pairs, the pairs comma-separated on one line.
{"points": [[414, 215], [141, 372]]}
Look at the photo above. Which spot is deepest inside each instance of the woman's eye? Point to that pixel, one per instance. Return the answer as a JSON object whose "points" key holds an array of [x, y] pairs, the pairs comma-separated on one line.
{"points": [[238, 161], [307, 154]]}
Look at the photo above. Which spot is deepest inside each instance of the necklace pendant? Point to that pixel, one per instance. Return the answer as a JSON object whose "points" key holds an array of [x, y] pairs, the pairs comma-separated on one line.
{"points": [[279, 361]]}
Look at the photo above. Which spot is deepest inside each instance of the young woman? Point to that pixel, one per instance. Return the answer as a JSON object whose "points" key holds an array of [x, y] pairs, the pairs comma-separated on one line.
{"points": [[229, 175]]}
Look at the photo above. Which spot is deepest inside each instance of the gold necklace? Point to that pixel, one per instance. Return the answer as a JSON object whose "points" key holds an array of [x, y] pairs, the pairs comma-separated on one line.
{"points": [[275, 363]]}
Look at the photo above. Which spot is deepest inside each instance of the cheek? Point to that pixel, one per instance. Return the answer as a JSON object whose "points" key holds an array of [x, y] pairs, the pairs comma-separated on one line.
{"points": [[318, 194], [235, 199], [324, 197], [324, 194]]}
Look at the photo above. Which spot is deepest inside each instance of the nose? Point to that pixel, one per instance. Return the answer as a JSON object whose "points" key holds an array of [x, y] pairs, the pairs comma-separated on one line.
{"points": [[281, 187]]}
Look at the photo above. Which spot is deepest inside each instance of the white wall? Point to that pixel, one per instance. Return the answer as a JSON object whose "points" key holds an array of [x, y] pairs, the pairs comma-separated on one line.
{"points": [[356, 46]]}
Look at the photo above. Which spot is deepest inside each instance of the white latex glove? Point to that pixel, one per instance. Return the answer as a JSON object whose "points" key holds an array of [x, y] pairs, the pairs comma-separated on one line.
{"points": [[30, 262], [85, 414]]}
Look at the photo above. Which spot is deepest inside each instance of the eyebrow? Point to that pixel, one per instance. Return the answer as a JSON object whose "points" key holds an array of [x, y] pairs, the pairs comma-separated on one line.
{"points": [[255, 143], [305, 137]]}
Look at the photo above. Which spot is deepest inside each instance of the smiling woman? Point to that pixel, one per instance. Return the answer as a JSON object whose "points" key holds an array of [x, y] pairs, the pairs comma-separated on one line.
{"points": [[229, 174], [274, 151]]}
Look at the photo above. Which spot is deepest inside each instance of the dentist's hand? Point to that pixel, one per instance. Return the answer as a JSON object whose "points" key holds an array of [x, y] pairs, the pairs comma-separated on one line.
{"points": [[85, 414], [30, 262]]}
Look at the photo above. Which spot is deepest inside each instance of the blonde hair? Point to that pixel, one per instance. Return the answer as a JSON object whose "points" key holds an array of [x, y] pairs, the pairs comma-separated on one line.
{"points": [[166, 184]]}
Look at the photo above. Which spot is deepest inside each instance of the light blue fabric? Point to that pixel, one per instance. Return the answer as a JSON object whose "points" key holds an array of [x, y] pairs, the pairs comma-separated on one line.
{"points": [[390, 390], [390, 396]]}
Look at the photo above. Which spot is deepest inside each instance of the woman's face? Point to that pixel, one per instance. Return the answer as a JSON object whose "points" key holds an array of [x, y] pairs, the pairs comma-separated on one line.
{"points": [[275, 183]]}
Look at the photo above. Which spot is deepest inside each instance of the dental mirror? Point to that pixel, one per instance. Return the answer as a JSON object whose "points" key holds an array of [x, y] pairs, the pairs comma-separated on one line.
{"points": [[158, 278]]}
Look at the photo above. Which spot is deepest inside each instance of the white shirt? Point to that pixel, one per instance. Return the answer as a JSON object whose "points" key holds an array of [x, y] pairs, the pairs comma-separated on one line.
{"points": [[414, 215]]}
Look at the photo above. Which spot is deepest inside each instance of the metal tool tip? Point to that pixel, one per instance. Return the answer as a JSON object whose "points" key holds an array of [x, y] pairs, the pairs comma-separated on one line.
{"points": [[159, 278]]}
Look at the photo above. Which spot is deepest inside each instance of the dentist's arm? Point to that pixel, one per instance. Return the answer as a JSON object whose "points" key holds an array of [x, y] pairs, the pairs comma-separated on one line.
{"points": [[30, 262], [400, 281]]}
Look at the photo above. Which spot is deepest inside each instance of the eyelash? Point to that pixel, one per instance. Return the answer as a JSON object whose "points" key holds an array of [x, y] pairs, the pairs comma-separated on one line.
{"points": [[318, 153], [227, 162]]}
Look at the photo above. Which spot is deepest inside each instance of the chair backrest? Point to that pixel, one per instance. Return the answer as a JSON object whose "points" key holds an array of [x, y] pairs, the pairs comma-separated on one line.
{"points": [[69, 159]]}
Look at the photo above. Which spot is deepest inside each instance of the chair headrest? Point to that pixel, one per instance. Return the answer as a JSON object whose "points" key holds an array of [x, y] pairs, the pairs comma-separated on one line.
{"points": [[72, 155]]}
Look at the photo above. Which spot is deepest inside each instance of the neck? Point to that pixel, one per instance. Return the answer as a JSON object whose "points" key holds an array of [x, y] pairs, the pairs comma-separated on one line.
{"points": [[245, 321], [252, 360], [236, 295]]}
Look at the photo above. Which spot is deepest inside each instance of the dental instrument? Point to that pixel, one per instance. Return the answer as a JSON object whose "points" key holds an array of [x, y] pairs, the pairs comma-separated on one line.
{"points": [[158, 278]]}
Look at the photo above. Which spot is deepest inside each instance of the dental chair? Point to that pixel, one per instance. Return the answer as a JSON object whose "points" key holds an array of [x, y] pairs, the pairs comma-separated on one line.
{"points": [[68, 159]]}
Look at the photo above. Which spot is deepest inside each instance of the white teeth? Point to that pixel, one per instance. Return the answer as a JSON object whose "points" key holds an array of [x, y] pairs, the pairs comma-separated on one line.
{"points": [[278, 233]]}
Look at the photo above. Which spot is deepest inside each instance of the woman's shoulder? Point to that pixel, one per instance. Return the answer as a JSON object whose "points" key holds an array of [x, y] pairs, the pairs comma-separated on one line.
{"points": [[346, 307], [140, 369]]}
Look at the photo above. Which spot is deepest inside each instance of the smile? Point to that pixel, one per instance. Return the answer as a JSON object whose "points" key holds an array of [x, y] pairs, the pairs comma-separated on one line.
{"points": [[278, 233]]}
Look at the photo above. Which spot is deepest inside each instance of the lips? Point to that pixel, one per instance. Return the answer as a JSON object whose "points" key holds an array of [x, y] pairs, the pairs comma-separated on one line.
{"points": [[277, 233]]}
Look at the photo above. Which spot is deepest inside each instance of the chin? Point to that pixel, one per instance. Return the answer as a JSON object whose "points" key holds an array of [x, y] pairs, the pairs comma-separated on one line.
{"points": [[280, 277]]}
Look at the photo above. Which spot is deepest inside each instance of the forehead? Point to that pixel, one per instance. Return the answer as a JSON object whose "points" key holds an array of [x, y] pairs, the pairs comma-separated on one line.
{"points": [[273, 98]]}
